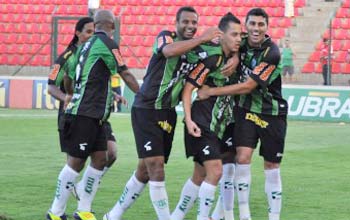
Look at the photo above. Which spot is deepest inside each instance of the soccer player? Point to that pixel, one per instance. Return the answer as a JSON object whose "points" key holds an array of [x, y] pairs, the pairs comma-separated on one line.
{"points": [[84, 131], [153, 113], [84, 29], [207, 120], [261, 115]]}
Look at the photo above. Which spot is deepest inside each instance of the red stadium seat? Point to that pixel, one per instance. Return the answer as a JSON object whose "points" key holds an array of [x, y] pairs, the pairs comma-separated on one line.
{"points": [[336, 68], [315, 56], [340, 56], [308, 68], [336, 23], [346, 68], [346, 45], [318, 67], [343, 13], [346, 4], [345, 23], [337, 44]]}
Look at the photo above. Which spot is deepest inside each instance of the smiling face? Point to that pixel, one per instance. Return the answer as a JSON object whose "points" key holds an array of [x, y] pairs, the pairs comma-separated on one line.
{"points": [[186, 26], [256, 27], [231, 39], [86, 33]]}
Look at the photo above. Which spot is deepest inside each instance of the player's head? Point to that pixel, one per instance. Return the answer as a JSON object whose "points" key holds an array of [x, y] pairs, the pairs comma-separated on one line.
{"points": [[230, 25], [256, 24], [325, 41], [105, 21], [84, 29], [186, 22]]}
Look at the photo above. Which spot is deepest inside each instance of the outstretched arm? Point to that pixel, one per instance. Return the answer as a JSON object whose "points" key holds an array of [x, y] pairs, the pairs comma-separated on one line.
{"points": [[180, 47], [234, 89]]}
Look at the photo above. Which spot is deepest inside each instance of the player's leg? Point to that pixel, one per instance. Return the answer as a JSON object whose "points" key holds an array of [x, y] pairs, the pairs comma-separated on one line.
{"points": [[65, 183], [72, 135], [272, 148], [225, 202], [111, 157], [246, 138], [131, 192], [207, 189], [189, 193]]}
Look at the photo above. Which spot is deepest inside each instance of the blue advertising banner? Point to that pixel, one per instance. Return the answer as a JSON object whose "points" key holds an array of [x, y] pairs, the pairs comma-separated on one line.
{"points": [[4, 93], [41, 99]]}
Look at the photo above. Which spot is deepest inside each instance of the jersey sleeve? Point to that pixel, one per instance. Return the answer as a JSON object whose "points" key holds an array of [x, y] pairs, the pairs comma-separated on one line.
{"points": [[59, 68], [164, 38], [71, 66], [120, 65], [199, 74], [267, 66]]}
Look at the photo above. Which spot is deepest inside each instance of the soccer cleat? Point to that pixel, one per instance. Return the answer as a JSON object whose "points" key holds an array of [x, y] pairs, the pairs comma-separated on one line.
{"points": [[51, 216], [84, 216]]}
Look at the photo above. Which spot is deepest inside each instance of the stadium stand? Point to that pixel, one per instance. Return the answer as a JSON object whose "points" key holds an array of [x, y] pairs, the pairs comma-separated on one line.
{"points": [[340, 43], [141, 20]]}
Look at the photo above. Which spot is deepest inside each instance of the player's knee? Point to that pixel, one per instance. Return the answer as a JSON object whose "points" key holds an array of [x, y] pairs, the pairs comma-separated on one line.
{"points": [[270, 165], [111, 158], [243, 159], [155, 169], [214, 175]]}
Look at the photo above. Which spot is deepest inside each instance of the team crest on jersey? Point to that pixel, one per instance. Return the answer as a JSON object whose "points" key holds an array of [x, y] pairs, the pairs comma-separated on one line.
{"points": [[203, 55], [55, 71], [118, 56]]}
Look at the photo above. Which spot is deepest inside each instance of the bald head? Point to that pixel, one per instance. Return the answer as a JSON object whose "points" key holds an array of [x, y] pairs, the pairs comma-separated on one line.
{"points": [[104, 20]]}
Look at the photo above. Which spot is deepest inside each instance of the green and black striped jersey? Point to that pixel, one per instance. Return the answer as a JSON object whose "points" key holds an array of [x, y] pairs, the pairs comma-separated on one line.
{"points": [[214, 113], [94, 63], [262, 65], [59, 69], [164, 79]]}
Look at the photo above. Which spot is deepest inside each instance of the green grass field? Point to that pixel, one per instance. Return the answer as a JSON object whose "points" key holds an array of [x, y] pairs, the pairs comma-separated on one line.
{"points": [[315, 170]]}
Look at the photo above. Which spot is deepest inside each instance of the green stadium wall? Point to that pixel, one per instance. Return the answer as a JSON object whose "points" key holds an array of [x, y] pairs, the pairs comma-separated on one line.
{"points": [[316, 103]]}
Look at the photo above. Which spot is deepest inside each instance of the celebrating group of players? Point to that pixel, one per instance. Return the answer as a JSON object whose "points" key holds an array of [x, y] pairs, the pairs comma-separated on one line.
{"points": [[239, 103]]}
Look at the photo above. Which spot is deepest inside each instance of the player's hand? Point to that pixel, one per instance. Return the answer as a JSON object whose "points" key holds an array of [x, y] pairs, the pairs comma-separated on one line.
{"points": [[203, 93], [231, 65], [210, 34], [119, 98], [67, 100], [193, 128]]}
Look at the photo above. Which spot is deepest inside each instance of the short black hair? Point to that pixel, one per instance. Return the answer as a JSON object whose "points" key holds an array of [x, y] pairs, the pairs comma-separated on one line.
{"points": [[185, 8], [258, 12], [226, 19]]}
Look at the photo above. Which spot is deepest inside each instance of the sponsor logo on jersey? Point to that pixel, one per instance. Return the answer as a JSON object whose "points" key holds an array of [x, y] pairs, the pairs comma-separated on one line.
{"points": [[118, 57], [55, 71]]}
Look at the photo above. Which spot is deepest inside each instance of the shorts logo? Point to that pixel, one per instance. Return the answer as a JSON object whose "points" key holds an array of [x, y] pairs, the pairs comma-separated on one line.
{"points": [[147, 146], [165, 126], [83, 146], [279, 154], [229, 142], [258, 121], [205, 150]]}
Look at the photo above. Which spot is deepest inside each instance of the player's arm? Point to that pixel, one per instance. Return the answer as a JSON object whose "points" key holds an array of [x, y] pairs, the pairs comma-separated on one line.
{"points": [[192, 127], [54, 91], [178, 48], [259, 76], [234, 89], [118, 66], [130, 80]]}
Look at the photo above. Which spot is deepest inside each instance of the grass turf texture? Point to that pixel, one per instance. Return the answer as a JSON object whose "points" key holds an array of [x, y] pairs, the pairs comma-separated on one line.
{"points": [[315, 170]]}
